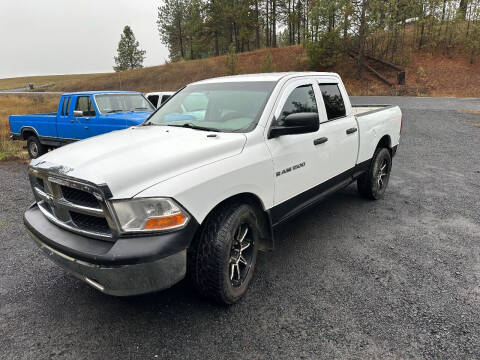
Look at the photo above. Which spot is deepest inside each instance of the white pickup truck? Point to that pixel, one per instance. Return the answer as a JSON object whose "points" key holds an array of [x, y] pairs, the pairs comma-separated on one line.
{"points": [[198, 188]]}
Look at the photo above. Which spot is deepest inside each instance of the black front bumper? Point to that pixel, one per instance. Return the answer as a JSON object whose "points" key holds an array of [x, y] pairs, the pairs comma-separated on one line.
{"points": [[128, 266]]}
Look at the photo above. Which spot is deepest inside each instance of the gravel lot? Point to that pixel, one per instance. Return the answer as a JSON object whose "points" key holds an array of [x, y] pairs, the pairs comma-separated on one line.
{"points": [[397, 278]]}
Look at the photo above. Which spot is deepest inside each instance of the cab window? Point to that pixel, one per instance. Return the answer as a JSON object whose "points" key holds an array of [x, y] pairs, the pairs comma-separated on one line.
{"points": [[153, 99], [333, 100], [66, 102], [85, 104], [301, 99]]}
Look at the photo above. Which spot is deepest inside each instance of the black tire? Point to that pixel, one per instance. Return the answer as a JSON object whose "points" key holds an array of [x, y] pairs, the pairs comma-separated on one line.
{"points": [[212, 256], [35, 149], [373, 183]]}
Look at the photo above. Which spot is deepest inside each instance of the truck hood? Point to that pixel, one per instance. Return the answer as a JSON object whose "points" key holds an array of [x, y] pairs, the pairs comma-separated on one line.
{"points": [[130, 118], [131, 160]]}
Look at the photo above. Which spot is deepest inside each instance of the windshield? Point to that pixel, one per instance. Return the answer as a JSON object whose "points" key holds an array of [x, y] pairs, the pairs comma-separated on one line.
{"points": [[227, 107], [111, 103]]}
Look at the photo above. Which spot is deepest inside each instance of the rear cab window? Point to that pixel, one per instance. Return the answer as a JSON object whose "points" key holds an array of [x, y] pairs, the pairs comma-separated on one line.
{"points": [[65, 106], [333, 100]]}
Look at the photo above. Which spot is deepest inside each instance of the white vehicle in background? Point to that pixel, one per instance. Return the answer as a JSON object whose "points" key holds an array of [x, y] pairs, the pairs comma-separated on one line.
{"points": [[158, 98], [202, 183]]}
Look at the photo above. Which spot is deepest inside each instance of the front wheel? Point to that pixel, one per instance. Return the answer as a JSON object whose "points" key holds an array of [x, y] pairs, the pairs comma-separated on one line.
{"points": [[222, 259], [35, 148], [373, 183]]}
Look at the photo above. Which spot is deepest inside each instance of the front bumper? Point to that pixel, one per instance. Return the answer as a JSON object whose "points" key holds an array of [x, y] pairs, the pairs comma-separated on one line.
{"points": [[129, 266]]}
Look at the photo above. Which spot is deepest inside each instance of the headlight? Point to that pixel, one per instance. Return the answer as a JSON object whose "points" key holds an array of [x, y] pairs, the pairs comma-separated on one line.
{"points": [[149, 214]]}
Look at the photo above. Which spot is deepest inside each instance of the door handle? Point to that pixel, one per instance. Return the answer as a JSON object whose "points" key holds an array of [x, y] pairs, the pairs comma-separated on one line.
{"points": [[351, 130], [320, 141]]}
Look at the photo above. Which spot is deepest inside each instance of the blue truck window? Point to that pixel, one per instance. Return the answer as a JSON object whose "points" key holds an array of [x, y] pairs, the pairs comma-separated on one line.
{"points": [[68, 107], [66, 102], [85, 104]]}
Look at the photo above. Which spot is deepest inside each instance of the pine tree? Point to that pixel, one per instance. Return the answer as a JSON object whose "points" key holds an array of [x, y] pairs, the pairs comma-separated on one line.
{"points": [[129, 54], [231, 61]]}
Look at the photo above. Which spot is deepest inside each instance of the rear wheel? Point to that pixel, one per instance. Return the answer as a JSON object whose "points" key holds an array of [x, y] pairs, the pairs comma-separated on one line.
{"points": [[223, 257], [373, 183], [35, 148]]}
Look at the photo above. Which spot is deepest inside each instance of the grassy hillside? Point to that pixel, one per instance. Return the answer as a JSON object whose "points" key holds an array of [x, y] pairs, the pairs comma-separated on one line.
{"points": [[427, 74]]}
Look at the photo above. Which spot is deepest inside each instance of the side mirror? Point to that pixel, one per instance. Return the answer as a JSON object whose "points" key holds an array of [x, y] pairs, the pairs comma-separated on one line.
{"points": [[77, 113], [298, 123]]}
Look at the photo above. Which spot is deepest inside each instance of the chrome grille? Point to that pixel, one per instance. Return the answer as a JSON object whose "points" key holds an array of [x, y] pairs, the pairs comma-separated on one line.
{"points": [[73, 205]]}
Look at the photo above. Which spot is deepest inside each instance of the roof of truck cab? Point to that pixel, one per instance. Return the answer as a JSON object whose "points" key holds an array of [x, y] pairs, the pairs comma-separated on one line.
{"points": [[264, 77], [101, 92]]}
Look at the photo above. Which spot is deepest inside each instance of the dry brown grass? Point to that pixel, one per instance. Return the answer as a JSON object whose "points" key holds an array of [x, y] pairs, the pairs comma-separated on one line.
{"points": [[20, 104], [427, 75]]}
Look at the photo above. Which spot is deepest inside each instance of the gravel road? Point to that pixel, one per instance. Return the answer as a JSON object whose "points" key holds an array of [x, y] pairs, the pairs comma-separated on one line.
{"points": [[397, 278]]}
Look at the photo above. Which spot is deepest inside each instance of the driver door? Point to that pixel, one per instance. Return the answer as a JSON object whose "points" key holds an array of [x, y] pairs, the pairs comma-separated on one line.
{"points": [[298, 159], [80, 125]]}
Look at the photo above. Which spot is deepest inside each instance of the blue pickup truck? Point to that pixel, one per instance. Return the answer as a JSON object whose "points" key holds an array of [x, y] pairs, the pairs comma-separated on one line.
{"points": [[80, 115]]}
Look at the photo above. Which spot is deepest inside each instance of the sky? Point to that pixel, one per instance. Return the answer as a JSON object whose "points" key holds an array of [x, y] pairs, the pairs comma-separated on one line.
{"points": [[47, 37]]}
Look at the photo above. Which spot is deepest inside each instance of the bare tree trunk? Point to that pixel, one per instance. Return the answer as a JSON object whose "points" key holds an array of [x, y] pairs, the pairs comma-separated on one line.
{"points": [[180, 35], [422, 31], [299, 21], [274, 23], [257, 27], [361, 38], [462, 9], [292, 24], [191, 48], [267, 29], [217, 50]]}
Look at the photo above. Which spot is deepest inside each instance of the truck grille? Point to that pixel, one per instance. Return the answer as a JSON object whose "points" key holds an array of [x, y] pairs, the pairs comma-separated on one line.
{"points": [[75, 206]]}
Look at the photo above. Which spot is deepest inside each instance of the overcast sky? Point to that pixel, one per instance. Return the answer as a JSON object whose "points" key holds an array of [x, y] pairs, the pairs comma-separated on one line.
{"points": [[43, 37]]}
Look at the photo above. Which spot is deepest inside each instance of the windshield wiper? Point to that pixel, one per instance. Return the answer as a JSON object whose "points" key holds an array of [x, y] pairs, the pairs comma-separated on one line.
{"points": [[142, 108], [113, 111], [196, 127]]}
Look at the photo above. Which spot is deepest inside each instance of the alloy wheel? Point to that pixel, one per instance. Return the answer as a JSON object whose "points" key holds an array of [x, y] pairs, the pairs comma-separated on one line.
{"points": [[241, 255], [382, 174]]}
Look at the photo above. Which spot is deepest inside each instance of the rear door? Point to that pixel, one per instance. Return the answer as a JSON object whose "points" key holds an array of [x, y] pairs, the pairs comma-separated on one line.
{"points": [[340, 127], [64, 126]]}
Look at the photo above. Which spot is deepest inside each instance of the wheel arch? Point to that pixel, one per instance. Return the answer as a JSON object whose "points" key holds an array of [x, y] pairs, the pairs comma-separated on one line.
{"points": [[28, 131], [253, 200], [385, 142]]}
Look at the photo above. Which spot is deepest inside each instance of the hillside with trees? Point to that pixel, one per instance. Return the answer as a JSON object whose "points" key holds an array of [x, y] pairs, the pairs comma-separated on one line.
{"points": [[389, 29]]}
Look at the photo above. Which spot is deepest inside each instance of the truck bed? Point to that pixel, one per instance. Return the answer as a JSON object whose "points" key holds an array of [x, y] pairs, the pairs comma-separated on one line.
{"points": [[44, 124], [360, 110], [374, 120]]}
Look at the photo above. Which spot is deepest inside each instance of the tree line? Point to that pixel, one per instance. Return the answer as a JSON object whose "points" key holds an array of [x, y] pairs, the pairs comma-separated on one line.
{"points": [[193, 29]]}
